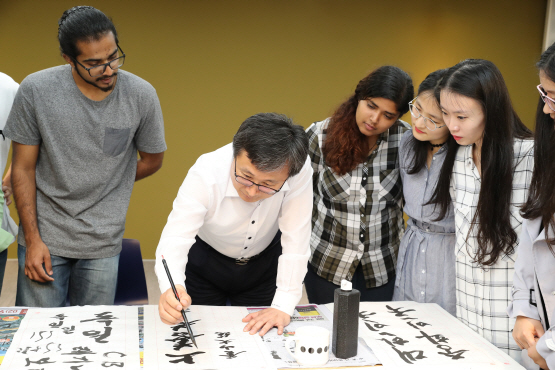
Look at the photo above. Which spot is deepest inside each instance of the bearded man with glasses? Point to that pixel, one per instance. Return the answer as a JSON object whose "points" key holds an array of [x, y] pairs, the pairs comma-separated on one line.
{"points": [[76, 130], [240, 226]]}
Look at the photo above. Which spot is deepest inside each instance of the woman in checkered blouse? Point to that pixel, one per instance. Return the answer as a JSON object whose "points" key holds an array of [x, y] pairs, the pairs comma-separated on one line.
{"points": [[489, 182], [357, 217], [533, 303]]}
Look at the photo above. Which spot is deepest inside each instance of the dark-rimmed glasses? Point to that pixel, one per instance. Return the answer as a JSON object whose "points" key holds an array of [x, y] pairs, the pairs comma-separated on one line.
{"points": [[99, 70], [415, 113], [546, 99], [248, 183]]}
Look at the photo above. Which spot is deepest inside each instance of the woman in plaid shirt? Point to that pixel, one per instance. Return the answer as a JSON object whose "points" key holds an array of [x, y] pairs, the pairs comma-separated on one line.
{"points": [[489, 182], [357, 216]]}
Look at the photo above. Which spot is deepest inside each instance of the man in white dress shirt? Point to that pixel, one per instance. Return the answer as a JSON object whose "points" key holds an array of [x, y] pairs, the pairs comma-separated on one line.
{"points": [[240, 226]]}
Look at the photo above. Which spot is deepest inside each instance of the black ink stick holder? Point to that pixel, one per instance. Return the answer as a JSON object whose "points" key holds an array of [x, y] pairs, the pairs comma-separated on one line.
{"points": [[346, 301]]}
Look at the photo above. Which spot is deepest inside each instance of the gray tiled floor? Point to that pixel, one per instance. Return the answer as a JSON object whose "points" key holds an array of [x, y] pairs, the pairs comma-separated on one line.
{"points": [[7, 298]]}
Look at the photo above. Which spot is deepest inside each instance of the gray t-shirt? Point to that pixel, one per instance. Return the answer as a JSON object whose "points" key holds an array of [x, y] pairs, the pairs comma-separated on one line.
{"points": [[87, 158]]}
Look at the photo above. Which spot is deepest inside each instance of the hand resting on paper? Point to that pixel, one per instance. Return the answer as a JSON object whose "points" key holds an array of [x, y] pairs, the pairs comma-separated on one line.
{"points": [[527, 331], [266, 319], [169, 308]]}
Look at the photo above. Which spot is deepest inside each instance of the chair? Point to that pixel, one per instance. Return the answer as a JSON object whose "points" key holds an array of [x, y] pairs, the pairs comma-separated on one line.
{"points": [[131, 288], [131, 284]]}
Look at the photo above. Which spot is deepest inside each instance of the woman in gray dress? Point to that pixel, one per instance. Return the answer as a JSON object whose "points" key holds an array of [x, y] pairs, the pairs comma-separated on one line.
{"points": [[426, 261]]}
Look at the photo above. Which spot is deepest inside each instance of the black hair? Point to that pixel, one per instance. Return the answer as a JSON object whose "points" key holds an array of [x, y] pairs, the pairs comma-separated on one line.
{"points": [[272, 141], [388, 82], [482, 81], [82, 23], [418, 148], [345, 146], [541, 197]]}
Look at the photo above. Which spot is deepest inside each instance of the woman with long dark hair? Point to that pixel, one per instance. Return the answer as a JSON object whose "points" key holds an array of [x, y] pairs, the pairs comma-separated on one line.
{"points": [[533, 303], [357, 216], [426, 261], [488, 184]]}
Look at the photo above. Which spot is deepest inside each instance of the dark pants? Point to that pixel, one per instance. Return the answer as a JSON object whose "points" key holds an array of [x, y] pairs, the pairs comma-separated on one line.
{"points": [[320, 291], [212, 278]]}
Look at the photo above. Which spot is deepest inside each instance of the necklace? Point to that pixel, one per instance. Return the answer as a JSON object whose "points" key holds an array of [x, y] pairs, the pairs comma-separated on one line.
{"points": [[373, 146], [437, 145]]}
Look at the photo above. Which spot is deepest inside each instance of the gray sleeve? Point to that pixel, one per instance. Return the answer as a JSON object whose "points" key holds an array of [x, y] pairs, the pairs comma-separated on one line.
{"points": [[403, 150], [22, 126], [149, 138]]}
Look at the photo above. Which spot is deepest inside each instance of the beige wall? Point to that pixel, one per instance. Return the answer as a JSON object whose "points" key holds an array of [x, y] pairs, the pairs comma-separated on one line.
{"points": [[214, 63]]}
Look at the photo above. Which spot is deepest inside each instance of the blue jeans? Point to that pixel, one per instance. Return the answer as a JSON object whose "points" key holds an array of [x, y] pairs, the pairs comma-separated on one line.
{"points": [[3, 259], [88, 281]]}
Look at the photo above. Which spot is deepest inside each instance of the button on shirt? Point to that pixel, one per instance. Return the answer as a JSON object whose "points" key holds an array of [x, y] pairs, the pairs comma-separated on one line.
{"points": [[358, 216], [208, 205]]}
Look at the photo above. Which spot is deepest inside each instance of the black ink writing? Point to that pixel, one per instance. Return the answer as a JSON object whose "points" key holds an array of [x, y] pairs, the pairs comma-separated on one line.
{"points": [[186, 358]]}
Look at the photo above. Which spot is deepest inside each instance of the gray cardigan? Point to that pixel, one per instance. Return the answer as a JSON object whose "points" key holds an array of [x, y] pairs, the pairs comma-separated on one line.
{"points": [[535, 265]]}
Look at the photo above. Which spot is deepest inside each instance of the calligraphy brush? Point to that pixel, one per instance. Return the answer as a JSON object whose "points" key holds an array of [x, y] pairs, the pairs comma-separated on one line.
{"points": [[177, 297]]}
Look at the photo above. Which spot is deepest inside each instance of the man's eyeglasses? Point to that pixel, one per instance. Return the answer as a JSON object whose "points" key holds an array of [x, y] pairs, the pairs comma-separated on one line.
{"points": [[415, 112], [99, 70], [249, 183], [546, 99]]}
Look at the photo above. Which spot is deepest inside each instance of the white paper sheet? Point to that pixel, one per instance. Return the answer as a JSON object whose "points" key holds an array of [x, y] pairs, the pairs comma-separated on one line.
{"points": [[424, 336], [90, 337], [317, 316], [218, 331]]}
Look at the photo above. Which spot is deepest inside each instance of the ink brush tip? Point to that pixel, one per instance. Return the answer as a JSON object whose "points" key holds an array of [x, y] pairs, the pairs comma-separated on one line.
{"points": [[191, 334], [188, 327]]}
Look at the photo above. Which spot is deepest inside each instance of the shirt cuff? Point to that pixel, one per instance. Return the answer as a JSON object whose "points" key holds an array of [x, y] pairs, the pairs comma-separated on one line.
{"points": [[285, 302], [546, 348], [522, 308]]}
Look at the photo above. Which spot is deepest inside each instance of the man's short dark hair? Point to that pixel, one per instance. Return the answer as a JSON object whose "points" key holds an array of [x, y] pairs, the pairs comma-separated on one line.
{"points": [[272, 141], [82, 23]]}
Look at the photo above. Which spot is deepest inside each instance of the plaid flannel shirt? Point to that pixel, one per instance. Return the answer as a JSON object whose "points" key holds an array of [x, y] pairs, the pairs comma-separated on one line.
{"points": [[357, 217]]}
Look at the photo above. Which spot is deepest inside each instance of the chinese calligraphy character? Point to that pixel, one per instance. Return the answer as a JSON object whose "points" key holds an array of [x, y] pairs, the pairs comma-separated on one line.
{"points": [[434, 339], [69, 330], [105, 317], [80, 351], [187, 358], [40, 335], [78, 360], [457, 355], [39, 362], [230, 354], [24, 351], [99, 337]]}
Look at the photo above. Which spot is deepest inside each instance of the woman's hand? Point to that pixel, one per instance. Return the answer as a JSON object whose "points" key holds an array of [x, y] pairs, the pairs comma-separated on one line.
{"points": [[527, 331]]}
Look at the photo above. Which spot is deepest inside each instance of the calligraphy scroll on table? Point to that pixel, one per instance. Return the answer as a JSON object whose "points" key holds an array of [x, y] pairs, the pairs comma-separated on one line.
{"points": [[411, 335], [76, 338], [218, 332]]}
